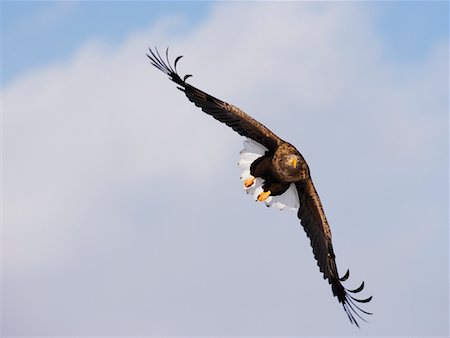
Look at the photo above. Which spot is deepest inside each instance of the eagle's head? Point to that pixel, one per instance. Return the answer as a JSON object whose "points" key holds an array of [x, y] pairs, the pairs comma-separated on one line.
{"points": [[289, 164]]}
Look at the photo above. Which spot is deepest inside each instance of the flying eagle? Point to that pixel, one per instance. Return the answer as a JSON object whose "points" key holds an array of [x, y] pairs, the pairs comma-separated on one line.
{"points": [[275, 173]]}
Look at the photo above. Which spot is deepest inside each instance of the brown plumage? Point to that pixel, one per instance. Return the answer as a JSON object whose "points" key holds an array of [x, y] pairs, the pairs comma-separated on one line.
{"points": [[280, 166]]}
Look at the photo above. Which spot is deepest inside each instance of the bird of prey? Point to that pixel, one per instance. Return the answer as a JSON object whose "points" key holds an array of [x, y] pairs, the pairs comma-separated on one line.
{"points": [[275, 173]]}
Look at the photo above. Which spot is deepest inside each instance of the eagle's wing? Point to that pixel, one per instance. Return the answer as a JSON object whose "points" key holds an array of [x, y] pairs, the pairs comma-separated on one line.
{"points": [[316, 226], [222, 111]]}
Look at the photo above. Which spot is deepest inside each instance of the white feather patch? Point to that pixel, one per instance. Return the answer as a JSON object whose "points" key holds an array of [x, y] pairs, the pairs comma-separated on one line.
{"points": [[253, 150]]}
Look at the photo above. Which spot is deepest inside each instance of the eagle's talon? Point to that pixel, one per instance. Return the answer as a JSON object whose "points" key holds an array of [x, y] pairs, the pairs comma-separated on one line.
{"points": [[264, 195], [249, 181]]}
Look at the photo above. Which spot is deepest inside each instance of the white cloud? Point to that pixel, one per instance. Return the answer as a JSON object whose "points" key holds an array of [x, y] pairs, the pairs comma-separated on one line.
{"points": [[119, 190]]}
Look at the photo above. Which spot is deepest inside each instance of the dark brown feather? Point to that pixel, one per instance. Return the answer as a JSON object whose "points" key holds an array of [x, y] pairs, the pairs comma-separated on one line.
{"points": [[316, 226], [224, 112]]}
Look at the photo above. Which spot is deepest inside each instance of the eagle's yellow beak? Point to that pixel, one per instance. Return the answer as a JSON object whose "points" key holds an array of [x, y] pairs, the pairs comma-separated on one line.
{"points": [[294, 163]]}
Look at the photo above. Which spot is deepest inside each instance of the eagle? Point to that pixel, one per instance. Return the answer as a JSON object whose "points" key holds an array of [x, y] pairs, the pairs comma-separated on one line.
{"points": [[275, 173]]}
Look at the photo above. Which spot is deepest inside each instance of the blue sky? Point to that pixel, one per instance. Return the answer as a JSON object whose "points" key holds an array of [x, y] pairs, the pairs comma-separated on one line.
{"points": [[38, 33], [123, 209]]}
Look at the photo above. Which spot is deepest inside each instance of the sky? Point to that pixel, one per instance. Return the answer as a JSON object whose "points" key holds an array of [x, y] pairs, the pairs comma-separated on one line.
{"points": [[123, 212]]}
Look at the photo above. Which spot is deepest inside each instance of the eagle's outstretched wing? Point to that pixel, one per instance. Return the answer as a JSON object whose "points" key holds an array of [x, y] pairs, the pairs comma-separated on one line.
{"points": [[222, 111], [316, 227]]}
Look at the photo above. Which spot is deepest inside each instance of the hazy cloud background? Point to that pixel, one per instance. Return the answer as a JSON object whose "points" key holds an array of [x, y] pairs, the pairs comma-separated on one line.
{"points": [[123, 213]]}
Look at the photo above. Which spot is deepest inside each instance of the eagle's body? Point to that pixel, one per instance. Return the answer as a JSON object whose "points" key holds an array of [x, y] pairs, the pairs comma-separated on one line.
{"points": [[275, 173]]}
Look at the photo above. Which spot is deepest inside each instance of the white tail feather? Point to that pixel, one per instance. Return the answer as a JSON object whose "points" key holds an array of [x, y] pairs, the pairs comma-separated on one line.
{"points": [[252, 151]]}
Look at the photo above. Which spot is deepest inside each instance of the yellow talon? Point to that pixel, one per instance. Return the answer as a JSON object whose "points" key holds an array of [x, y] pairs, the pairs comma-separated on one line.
{"points": [[264, 195], [249, 182]]}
